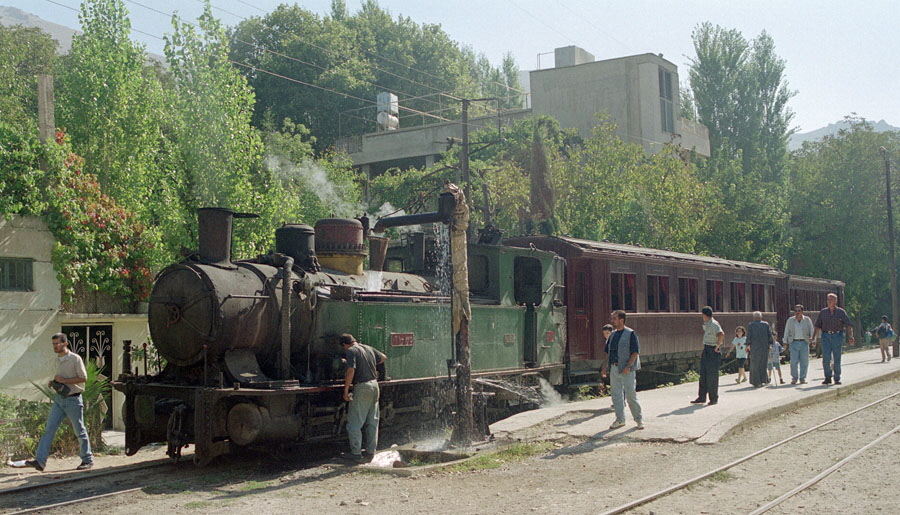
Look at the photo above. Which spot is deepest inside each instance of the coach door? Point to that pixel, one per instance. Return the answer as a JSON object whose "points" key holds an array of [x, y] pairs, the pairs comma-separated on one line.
{"points": [[93, 343], [580, 305]]}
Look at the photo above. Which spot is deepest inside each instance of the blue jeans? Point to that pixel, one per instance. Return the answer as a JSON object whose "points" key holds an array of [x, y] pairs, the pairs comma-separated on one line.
{"points": [[622, 388], [73, 408], [799, 350], [363, 411], [831, 348]]}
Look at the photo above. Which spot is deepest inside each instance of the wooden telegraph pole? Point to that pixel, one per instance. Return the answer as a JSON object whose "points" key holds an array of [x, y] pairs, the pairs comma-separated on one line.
{"points": [[895, 303], [46, 121]]}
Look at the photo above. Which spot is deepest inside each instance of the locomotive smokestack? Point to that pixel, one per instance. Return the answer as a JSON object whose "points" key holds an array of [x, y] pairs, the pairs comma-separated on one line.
{"points": [[214, 226]]}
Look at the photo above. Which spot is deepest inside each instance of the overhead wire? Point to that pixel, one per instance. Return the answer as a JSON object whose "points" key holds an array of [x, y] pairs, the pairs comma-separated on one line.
{"points": [[521, 92], [409, 110], [416, 112]]}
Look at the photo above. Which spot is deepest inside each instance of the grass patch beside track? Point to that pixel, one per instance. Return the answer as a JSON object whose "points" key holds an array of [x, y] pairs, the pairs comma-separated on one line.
{"points": [[496, 459]]}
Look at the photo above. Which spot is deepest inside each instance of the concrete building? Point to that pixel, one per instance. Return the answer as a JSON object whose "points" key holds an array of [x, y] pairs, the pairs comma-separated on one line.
{"points": [[31, 311], [639, 93]]}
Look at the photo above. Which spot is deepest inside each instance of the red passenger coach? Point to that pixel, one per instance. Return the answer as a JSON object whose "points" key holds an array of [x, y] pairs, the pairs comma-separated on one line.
{"points": [[663, 292]]}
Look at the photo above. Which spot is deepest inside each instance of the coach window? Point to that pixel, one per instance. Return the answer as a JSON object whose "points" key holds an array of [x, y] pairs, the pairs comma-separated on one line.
{"points": [[527, 279], [687, 294], [770, 298], [715, 295], [757, 297], [621, 287], [657, 293], [16, 274], [738, 298]]}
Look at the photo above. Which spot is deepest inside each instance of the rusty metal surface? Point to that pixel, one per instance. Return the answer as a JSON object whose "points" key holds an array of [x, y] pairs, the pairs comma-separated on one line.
{"points": [[339, 236]]}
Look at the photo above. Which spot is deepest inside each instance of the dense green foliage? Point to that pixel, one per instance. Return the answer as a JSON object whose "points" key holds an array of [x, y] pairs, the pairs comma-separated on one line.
{"points": [[24, 54], [144, 145], [839, 217], [344, 60], [740, 93]]}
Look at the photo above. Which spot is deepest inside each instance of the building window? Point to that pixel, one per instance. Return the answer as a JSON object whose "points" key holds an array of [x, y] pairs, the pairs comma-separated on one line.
{"points": [[621, 287], [657, 293], [687, 294], [666, 101], [16, 274], [738, 297], [715, 295], [770, 298]]}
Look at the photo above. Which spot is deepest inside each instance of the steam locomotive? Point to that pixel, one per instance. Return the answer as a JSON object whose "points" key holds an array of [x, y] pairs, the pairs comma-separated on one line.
{"points": [[252, 345]]}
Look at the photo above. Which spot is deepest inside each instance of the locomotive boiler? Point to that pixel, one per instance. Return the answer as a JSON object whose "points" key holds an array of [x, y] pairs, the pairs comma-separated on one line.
{"points": [[252, 345]]}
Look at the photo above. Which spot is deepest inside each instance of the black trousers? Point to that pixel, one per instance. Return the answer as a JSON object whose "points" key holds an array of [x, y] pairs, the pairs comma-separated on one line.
{"points": [[710, 361]]}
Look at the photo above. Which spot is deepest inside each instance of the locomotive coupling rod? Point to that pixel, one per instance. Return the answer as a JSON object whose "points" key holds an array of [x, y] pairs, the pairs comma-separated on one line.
{"points": [[230, 296]]}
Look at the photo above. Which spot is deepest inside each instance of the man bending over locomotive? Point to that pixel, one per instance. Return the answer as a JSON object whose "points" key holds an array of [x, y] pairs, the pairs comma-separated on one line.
{"points": [[362, 410]]}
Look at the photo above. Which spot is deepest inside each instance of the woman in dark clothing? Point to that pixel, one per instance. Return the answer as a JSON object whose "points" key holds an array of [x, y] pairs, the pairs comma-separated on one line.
{"points": [[759, 339]]}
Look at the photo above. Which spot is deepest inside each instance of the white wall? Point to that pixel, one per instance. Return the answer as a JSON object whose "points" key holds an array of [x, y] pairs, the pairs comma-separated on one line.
{"points": [[29, 319]]}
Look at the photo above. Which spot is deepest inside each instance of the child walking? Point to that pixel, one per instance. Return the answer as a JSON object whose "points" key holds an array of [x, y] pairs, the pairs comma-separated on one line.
{"points": [[775, 361], [885, 334], [739, 344]]}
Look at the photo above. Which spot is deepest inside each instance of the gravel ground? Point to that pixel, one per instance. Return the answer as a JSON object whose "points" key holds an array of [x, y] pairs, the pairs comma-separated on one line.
{"points": [[580, 477]]}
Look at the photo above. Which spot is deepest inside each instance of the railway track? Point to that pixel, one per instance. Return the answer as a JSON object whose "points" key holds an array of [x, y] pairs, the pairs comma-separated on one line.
{"points": [[793, 492], [19, 498], [159, 474]]}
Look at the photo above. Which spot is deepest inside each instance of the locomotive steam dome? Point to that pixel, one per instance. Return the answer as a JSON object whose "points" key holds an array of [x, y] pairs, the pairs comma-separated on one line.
{"points": [[339, 244]]}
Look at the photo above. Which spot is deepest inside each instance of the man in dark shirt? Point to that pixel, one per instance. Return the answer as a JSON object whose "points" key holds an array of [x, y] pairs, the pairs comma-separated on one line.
{"points": [[622, 360], [832, 322], [362, 410]]}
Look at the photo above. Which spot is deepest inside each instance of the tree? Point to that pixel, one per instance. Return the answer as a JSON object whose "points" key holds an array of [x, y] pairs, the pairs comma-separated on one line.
{"points": [[343, 61], [114, 113], [614, 190], [218, 150], [741, 95], [839, 222], [24, 54]]}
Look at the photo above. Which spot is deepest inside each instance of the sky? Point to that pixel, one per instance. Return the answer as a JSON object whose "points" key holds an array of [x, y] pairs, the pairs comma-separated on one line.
{"points": [[839, 54]]}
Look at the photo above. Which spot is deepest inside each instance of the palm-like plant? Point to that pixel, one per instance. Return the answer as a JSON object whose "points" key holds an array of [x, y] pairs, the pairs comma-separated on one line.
{"points": [[96, 392]]}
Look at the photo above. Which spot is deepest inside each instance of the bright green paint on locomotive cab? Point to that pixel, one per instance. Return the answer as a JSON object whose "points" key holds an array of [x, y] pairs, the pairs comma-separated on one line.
{"points": [[496, 332]]}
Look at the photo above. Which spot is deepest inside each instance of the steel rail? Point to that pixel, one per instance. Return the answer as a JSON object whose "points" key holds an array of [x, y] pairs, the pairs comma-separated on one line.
{"points": [[81, 476], [824, 473], [644, 500]]}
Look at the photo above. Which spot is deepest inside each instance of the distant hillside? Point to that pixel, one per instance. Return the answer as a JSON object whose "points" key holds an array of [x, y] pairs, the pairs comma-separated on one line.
{"points": [[797, 139], [63, 35]]}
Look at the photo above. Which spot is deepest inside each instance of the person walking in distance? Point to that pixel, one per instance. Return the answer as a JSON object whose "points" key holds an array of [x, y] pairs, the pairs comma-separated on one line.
{"points": [[68, 384], [710, 359], [798, 334], [362, 410], [759, 340], [833, 322], [622, 361], [885, 334]]}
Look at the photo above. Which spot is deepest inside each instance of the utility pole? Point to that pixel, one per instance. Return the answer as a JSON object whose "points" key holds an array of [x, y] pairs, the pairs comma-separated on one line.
{"points": [[895, 304], [46, 121], [464, 156]]}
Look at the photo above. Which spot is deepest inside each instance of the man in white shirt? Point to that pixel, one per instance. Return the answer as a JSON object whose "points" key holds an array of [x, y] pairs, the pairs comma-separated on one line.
{"points": [[798, 333], [69, 384]]}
